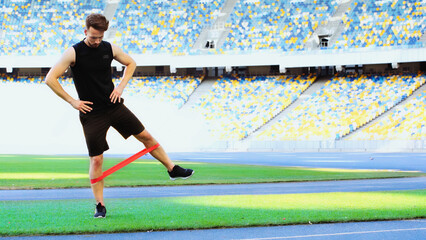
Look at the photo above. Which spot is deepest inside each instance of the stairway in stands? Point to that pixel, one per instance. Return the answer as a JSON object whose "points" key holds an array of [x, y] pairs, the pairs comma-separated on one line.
{"points": [[417, 92], [202, 89], [317, 85]]}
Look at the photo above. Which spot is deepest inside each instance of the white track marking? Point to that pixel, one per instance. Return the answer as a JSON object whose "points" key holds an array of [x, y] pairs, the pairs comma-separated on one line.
{"points": [[337, 234]]}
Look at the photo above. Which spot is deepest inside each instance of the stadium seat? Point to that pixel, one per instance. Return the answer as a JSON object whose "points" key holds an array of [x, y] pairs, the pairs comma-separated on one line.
{"points": [[175, 89], [284, 25], [391, 23], [43, 27], [162, 26], [343, 105], [403, 123], [237, 106]]}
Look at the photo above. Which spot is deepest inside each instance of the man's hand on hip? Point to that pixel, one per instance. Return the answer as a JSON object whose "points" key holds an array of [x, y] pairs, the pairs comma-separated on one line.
{"points": [[81, 106], [116, 95]]}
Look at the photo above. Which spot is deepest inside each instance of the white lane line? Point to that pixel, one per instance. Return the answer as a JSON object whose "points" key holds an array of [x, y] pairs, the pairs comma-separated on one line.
{"points": [[384, 156], [329, 161], [337, 234], [281, 155]]}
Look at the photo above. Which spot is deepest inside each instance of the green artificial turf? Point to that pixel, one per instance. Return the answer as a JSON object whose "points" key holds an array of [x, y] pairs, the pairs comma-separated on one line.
{"points": [[146, 214], [33, 172]]}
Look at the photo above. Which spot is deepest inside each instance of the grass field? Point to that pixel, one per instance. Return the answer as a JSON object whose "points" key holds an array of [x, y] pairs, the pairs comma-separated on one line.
{"points": [[146, 214], [174, 213], [34, 172]]}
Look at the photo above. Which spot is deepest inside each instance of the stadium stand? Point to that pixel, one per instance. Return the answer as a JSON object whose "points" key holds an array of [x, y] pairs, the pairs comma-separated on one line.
{"points": [[174, 89], [407, 122], [37, 80], [341, 106], [171, 89], [43, 27], [162, 26], [273, 24], [237, 106], [48, 27], [383, 24]]}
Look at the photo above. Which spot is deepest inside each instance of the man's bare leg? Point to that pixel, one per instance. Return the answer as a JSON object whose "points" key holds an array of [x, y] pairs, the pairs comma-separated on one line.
{"points": [[95, 171], [146, 138]]}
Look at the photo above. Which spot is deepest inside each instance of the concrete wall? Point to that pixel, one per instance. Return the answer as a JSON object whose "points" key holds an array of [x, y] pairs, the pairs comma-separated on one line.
{"points": [[409, 67], [376, 68], [30, 71], [256, 70], [36, 121], [322, 146], [145, 70]]}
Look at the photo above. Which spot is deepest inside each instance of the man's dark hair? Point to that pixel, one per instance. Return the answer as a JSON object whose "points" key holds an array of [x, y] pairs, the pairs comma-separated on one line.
{"points": [[97, 21]]}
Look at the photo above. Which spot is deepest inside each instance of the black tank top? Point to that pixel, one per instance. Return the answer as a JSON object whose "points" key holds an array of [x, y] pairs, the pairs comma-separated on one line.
{"points": [[92, 74]]}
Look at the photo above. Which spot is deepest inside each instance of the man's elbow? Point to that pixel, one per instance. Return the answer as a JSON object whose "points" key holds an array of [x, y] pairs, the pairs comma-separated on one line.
{"points": [[49, 79], [133, 63]]}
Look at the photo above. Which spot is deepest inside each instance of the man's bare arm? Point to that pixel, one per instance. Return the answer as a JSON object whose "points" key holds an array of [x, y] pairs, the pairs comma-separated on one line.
{"points": [[67, 59], [130, 64]]}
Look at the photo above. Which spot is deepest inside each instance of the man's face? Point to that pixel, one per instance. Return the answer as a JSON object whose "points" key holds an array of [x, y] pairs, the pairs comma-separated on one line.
{"points": [[93, 37]]}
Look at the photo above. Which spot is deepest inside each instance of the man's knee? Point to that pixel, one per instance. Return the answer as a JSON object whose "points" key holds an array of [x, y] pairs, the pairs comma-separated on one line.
{"points": [[144, 136], [97, 161]]}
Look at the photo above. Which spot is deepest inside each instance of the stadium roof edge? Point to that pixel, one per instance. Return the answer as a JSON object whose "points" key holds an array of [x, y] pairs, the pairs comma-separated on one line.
{"points": [[286, 60]]}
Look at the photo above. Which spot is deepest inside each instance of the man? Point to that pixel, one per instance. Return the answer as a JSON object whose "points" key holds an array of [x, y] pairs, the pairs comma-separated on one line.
{"points": [[100, 103]]}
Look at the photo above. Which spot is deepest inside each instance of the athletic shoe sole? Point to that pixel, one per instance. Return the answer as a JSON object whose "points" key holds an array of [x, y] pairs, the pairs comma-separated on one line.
{"points": [[183, 178]]}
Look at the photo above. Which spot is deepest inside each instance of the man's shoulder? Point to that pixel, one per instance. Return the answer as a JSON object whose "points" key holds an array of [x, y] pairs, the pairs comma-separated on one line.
{"points": [[78, 45], [106, 43]]}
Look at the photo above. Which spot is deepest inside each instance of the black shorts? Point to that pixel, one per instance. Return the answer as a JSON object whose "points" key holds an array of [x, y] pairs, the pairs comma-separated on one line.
{"points": [[95, 127]]}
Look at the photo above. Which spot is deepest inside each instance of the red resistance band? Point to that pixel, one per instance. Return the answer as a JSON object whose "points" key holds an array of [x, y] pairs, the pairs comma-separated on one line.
{"points": [[124, 163]]}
